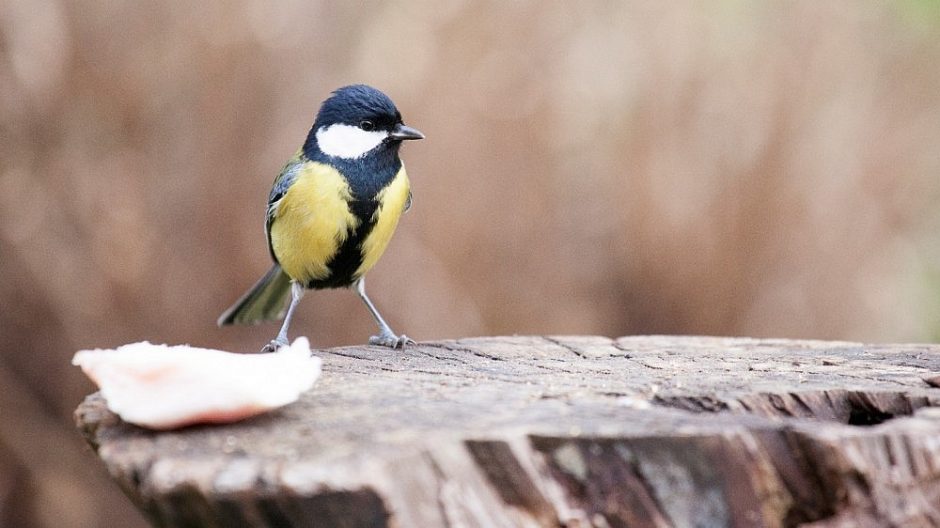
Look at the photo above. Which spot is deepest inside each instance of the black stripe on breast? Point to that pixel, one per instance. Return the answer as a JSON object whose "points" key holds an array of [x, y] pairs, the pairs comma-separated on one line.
{"points": [[366, 178], [349, 257]]}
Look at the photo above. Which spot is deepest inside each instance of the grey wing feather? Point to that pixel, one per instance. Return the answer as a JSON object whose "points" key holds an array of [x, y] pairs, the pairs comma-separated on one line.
{"points": [[408, 202], [282, 183]]}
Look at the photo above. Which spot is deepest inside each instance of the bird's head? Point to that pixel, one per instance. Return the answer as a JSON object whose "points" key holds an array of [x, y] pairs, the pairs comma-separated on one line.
{"points": [[358, 119]]}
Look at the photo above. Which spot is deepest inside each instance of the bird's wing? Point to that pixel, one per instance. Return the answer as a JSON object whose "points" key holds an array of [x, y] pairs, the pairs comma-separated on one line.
{"points": [[282, 183], [408, 201]]}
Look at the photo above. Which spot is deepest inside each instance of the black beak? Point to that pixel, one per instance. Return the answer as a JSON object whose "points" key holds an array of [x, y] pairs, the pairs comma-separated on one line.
{"points": [[401, 132]]}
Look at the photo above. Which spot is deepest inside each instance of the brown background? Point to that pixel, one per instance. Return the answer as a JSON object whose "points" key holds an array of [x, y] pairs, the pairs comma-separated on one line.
{"points": [[765, 169]]}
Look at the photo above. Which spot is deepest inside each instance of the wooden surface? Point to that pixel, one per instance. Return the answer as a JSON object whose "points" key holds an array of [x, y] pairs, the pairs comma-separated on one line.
{"points": [[562, 431]]}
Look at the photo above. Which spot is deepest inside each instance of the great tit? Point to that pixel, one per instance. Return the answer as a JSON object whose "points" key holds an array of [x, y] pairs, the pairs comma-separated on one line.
{"points": [[332, 210]]}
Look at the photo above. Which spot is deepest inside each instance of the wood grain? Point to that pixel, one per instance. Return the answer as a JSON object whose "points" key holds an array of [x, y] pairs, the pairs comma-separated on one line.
{"points": [[562, 431]]}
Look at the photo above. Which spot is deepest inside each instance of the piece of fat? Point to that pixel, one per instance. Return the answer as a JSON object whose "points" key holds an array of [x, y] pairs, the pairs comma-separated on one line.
{"points": [[164, 387]]}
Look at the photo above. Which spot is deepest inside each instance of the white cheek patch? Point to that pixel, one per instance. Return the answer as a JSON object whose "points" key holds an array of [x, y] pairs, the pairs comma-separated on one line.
{"points": [[349, 142]]}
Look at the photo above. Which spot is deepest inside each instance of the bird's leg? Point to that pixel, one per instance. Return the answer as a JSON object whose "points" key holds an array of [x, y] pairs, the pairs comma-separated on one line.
{"points": [[386, 337], [296, 293]]}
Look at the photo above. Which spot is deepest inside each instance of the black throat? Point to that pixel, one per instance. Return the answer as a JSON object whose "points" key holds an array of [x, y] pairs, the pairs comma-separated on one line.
{"points": [[367, 175]]}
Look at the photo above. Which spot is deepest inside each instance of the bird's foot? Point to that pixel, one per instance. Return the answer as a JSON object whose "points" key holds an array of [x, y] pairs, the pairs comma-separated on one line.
{"points": [[391, 340], [273, 346]]}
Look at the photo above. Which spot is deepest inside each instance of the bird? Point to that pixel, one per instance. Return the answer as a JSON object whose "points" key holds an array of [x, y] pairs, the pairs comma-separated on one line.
{"points": [[332, 211]]}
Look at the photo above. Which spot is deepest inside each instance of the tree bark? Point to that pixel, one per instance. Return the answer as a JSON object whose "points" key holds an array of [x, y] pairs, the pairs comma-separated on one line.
{"points": [[562, 431]]}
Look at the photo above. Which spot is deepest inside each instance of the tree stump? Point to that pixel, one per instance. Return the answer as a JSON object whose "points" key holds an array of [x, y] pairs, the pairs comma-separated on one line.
{"points": [[570, 431]]}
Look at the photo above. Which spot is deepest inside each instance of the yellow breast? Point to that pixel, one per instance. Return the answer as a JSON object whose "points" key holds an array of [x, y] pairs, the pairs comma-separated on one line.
{"points": [[391, 205], [311, 222]]}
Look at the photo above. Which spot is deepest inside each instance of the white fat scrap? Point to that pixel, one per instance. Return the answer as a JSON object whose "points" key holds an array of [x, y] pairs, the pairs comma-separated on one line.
{"points": [[163, 387], [347, 141]]}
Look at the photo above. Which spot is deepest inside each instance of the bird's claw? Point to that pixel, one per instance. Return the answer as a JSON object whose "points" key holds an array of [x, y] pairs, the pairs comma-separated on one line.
{"points": [[273, 346], [391, 341]]}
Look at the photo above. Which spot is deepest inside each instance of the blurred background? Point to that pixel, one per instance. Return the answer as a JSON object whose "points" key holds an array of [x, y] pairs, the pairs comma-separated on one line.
{"points": [[724, 167]]}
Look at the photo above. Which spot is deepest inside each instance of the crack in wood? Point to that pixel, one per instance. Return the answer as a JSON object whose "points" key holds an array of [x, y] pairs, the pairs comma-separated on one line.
{"points": [[858, 408], [477, 353], [337, 352], [566, 346]]}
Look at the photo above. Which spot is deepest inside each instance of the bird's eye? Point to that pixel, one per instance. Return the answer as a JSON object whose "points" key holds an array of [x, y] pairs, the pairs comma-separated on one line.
{"points": [[367, 125]]}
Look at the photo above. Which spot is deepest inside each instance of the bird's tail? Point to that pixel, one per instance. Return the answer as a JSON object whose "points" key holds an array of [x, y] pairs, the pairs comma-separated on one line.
{"points": [[265, 301]]}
